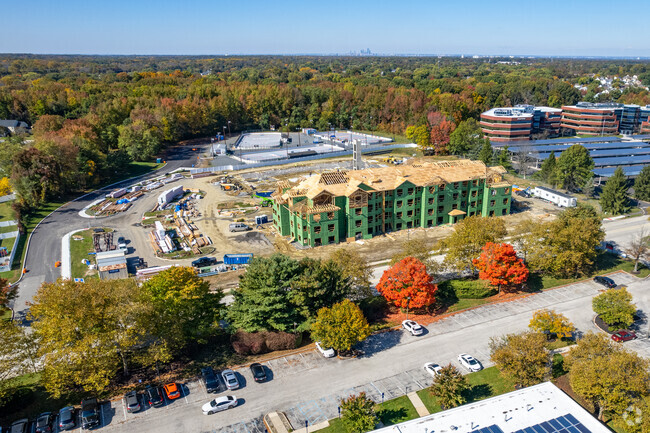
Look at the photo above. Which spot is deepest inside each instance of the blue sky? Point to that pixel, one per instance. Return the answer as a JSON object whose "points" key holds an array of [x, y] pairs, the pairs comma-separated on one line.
{"points": [[563, 28]]}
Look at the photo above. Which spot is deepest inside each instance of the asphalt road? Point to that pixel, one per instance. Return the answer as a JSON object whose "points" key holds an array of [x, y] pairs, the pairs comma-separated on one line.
{"points": [[45, 245], [308, 387]]}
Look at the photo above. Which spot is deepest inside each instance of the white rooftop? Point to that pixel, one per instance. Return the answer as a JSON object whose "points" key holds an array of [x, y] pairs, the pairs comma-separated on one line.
{"points": [[507, 112], [510, 412]]}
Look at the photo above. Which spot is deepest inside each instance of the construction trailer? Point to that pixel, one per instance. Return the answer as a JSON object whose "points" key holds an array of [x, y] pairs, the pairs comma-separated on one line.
{"points": [[111, 265], [167, 196], [556, 197]]}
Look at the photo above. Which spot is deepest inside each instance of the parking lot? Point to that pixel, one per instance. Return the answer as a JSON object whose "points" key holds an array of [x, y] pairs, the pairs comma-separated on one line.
{"points": [[308, 387]]}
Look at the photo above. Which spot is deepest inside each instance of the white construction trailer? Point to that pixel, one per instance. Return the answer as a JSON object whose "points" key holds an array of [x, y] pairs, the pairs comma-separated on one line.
{"points": [[555, 197]]}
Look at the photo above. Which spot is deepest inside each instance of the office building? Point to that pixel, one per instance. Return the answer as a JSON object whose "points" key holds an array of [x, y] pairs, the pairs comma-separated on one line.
{"points": [[520, 122]]}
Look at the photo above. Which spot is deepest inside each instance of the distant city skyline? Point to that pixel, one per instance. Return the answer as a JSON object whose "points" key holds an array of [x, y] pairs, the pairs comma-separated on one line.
{"points": [[578, 28]]}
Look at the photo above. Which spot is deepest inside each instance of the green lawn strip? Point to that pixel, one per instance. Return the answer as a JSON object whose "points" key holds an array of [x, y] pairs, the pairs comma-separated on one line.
{"points": [[79, 250], [8, 229], [5, 314], [463, 304], [8, 243], [390, 412], [6, 212], [484, 384]]}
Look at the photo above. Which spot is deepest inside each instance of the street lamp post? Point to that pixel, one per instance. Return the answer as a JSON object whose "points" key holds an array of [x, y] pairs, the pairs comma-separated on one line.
{"points": [[408, 304], [229, 133]]}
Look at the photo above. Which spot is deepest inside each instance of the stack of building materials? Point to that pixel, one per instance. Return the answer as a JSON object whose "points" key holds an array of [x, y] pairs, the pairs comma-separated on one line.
{"points": [[162, 239]]}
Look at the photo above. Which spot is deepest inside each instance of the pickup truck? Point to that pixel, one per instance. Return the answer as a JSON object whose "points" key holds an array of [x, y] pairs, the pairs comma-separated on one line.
{"points": [[89, 413]]}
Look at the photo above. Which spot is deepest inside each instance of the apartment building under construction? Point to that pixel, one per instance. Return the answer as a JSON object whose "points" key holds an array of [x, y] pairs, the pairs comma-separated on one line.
{"points": [[340, 206]]}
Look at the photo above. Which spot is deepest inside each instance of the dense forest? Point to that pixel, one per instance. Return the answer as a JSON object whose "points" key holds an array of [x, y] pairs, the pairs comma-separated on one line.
{"points": [[93, 114]]}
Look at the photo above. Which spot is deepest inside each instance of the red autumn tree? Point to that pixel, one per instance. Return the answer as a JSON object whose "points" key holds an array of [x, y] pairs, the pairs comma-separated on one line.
{"points": [[440, 136], [7, 293], [499, 265], [408, 278]]}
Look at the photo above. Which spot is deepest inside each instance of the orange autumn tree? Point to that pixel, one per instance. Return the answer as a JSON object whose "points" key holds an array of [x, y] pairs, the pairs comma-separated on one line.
{"points": [[499, 265], [408, 278]]}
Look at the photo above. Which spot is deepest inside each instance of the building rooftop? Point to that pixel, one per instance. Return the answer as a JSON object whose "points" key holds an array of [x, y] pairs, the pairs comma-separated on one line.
{"points": [[542, 408], [509, 112], [417, 172], [107, 260]]}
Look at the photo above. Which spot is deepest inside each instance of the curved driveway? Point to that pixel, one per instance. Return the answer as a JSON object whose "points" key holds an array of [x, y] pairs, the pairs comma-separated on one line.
{"points": [[45, 245]]}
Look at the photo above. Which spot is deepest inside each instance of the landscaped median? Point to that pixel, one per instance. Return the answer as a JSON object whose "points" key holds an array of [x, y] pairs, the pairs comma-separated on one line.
{"points": [[483, 384]]}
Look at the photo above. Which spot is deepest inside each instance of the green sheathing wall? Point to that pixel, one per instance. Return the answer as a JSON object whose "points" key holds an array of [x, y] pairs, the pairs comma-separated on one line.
{"points": [[281, 217], [496, 201], [423, 207]]}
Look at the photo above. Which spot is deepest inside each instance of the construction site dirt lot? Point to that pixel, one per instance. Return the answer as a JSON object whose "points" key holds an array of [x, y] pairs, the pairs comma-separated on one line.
{"points": [[220, 208]]}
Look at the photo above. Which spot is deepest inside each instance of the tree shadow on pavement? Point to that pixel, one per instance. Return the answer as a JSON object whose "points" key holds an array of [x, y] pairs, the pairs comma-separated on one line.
{"points": [[381, 341]]}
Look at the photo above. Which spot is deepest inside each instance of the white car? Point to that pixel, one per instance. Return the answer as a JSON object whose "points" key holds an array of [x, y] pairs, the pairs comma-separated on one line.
{"points": [[230, 378], [327, 353], [469, 362], [432, 369], [219, 404], [413, 327]]}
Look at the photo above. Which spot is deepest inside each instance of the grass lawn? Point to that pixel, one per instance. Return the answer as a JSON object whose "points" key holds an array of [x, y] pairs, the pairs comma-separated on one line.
{"points": [[5, 314], [79, 250], [466, 303], [8, 243], [6, 213], [8, 229], [483, 384], [389, 412], [133, 169]]}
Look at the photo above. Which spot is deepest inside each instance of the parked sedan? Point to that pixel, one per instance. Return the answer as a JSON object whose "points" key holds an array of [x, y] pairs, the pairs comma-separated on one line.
{"points": [[219, 404], [154, 395], [19, 426], [259, 374], [623, 335], [327, 352], [469, 362], [605, 281], [432, 369], [67, 417], [172, 391], [131, 402], [413, 327], [230, 378]]}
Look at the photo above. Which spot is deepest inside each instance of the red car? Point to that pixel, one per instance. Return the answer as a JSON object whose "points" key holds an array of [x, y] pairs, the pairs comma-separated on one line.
{"points": [[623, 335], [171, 390]]}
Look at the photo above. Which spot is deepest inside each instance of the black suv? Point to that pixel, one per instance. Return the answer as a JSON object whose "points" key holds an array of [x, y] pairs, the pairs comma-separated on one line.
{"points": [[154, 396], [89, 413], [210, 380], [259, 374], [204, 261], [607, 282]]}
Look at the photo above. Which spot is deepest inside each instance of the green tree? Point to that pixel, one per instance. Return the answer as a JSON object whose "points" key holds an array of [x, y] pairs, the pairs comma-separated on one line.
{"points": [[548, 171], [183, 308], [642, 184], [551, 324], [319, 284], [555, 248], [615, 307], [606, 375], [85, 330], [485, 154], [448, 386], [574, 167], [262, 299], [504, 158], [588, 187], [468, 239], [523, 358], [358, 413], [355, 270], [614, 196], [466, 136], [340, 327], [418, 249]]}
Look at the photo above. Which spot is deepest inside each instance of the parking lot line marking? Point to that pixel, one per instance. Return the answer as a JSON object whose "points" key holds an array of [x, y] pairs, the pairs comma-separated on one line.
{"points": [[244, 424], [123, 409], [183, 394], [414, 379]]}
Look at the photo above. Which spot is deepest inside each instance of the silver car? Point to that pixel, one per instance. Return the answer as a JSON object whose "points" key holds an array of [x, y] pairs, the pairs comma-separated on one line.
{"points": [[219, 404], [230, 378]]}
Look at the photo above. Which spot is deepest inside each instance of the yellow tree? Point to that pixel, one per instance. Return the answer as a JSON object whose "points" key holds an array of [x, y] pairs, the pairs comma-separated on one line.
{"points": [[607, 375], [85, 330], [522, 357], [341, 326], [468, 239], [551, 323], [5, 186]]}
